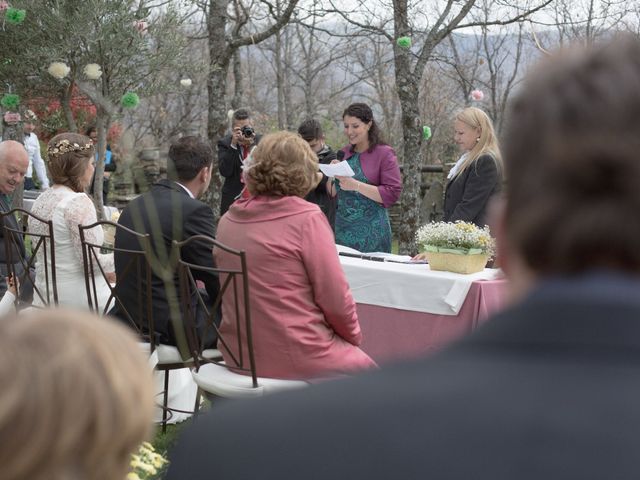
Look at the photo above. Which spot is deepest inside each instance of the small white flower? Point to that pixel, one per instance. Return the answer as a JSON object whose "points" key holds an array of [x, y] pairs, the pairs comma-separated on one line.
{"points": [[59, 70], [186, 82], [92, 71]]}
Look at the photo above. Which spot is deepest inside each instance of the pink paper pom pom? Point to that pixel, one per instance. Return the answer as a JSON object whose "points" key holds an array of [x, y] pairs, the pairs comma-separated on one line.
{"points": [[477, 95], [141, 26], [3, 6]]}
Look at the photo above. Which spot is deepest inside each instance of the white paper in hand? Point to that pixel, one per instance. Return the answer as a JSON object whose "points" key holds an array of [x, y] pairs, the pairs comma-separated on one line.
{"points": [[342, 169]]}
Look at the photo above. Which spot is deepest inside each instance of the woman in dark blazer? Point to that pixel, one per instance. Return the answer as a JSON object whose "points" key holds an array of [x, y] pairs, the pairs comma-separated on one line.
{"points": [[477, 175]]}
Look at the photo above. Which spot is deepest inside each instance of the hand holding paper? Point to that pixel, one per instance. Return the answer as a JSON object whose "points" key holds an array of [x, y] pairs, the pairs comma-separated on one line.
{"points": [[340, 169]]}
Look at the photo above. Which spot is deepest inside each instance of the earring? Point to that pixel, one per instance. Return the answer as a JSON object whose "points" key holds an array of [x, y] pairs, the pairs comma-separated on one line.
{"points": [[477, 139]]}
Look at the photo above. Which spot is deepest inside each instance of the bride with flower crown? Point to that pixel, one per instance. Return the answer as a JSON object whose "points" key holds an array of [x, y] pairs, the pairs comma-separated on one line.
{"points": [[71, 166]]}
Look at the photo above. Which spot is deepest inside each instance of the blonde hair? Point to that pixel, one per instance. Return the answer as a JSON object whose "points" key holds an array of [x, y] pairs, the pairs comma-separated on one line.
{"points": [[487, 143], [77, 397], [282, 164]]}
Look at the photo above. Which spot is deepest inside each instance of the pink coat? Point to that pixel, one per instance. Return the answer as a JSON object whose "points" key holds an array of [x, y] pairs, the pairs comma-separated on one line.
{"points": [[303, 315]]}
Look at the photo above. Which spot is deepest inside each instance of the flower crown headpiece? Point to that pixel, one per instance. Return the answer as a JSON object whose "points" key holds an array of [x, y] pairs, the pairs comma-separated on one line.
{"points": [[65, 146]]}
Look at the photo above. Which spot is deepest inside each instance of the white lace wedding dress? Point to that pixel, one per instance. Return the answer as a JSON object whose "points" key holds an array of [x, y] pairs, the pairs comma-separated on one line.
{"points": [[68, 209]]}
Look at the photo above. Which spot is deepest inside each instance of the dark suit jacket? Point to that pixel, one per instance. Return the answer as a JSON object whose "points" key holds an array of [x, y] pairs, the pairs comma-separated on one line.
{"points": [[546, 390], [168, 213], [230, 167], [319, 195], [468, 194], [17, 251]]}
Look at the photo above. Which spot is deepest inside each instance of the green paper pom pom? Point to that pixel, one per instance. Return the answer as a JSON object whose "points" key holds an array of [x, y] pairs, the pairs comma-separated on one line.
{"points": [[10, 101], [15, 15], [426, 132], [130, 100], [404, 42]]}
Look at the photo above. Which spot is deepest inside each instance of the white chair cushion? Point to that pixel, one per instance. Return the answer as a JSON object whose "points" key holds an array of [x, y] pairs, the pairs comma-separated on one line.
{"points": [[219, 380], [153, 358], [169, 354]]}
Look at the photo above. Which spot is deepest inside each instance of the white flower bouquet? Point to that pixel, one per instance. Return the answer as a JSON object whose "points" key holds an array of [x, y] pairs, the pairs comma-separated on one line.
{"points": [[458, 247]]}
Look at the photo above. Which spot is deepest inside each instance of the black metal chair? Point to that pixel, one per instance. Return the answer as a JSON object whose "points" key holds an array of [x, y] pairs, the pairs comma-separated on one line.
{"points": [[138, 316], [21, 263], [238, 378]]}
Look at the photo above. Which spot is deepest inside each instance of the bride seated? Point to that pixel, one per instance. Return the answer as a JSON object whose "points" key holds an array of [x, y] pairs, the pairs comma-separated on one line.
{"points": [[71, 167]]}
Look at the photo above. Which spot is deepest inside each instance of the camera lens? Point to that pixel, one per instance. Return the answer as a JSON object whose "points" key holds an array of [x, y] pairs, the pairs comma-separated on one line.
{"points": [[247, 131]]}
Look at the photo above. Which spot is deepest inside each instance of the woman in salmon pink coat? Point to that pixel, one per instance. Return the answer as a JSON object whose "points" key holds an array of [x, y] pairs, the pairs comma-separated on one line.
{"points": [[304, 318]]}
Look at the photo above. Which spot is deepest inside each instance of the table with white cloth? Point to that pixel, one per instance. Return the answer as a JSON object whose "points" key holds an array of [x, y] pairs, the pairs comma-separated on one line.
{"points": [[407, 310]]}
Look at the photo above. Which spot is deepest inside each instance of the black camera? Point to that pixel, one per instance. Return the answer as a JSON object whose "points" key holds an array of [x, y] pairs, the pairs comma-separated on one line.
{"points": [[247, 131]]}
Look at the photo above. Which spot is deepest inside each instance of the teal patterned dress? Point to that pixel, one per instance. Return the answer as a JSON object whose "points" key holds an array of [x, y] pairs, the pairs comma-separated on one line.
{"points": [[361, 223]]}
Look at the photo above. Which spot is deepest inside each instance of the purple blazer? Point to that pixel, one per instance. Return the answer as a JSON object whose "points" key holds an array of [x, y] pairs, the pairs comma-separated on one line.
{"points": [[381, 169]]}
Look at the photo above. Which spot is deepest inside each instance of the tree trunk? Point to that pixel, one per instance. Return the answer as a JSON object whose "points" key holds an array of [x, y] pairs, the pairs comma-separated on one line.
{"points": [[219, 58], [65, 101], [280, 83], [286, 78], [15, 132], [103, 122], [411, 161], [238, 87], [216, 127], [407, 87]]}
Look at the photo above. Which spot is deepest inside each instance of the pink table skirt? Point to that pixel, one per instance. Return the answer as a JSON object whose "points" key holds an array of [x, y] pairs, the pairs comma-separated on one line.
{"points": [[391, 334]]}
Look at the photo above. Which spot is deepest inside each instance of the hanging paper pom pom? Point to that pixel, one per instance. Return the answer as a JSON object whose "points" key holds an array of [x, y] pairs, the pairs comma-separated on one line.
{"points": [[3, 6], [11, 118], [10, 101], [141, 26], [186, 82], [477, 95], [130, 100], [59, 70], [426, 132], [15, 15], [92, 71], [404, 42]]}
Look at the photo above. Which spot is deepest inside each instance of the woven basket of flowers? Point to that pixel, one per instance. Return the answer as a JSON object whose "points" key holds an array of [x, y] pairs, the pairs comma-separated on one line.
{"points": [[459, 247]]}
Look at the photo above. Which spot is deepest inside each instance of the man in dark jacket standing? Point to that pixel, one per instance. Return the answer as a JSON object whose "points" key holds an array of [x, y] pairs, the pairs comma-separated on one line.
{"points": [[170, 211], [311, 131], [546, 390], [232, 152]]}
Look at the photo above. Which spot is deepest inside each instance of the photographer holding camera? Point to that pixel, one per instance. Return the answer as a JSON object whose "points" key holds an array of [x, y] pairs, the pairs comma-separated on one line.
{"points": [[232, 151]]}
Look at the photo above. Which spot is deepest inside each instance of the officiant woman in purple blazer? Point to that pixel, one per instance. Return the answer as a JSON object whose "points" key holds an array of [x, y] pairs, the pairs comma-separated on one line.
{"points": [[362, 221]]}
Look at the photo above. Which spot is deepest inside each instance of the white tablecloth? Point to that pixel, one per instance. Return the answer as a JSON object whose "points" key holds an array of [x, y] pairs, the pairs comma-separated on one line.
{"points": [[411, 287]]}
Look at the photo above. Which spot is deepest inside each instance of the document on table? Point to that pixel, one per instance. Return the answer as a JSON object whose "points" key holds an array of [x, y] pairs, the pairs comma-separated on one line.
{"points": [[341, 169], [376, 256]]}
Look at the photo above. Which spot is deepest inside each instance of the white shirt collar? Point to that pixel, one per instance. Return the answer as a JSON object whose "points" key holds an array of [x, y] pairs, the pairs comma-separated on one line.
{"points": [[186, 190], [456, 167]]}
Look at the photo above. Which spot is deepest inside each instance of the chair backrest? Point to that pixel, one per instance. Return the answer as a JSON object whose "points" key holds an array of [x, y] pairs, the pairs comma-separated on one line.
{"points": [[234, 291], [136, 265], [17, 235]]}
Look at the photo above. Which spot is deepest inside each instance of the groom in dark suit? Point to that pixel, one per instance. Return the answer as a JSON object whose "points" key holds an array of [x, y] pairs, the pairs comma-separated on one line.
{"points": [[550, 388], [170, 211], [14, 162]]}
